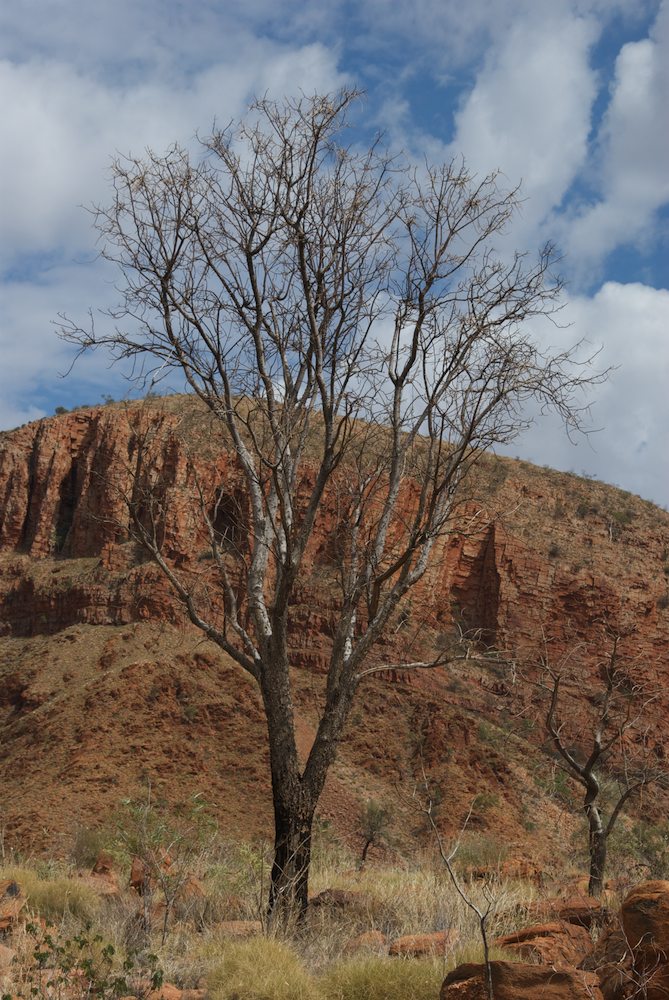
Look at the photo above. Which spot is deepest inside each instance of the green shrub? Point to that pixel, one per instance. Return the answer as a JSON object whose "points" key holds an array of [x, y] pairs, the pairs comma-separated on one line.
{"points": [[373, 978], [87, 846], [84, 965], [261, 969], [480, 850]]}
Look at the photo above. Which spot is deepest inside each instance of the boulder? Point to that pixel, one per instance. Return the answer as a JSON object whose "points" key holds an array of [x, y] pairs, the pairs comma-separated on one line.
{"points": [[103, 883], [611, 960], [12, 901], [166, 992], [557, 943], [416, 945], [519, 981], [645, 919], [367, 941], [522, 868], [631, 958], [104, 864]]}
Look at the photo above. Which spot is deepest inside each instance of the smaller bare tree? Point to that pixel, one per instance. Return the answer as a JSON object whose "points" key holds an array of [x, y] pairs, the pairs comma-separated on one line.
{"points": [[599, 728], [424, 797], [373, 827]]}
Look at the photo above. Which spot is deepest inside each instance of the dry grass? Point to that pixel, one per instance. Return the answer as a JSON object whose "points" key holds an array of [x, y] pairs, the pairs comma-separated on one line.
{"points": [[54, 896], [375, 978], [315, 963], [261, 969]]}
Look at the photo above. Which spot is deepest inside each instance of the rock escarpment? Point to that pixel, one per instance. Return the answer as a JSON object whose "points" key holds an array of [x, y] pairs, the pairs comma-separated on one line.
{"points": [[544, 548]]}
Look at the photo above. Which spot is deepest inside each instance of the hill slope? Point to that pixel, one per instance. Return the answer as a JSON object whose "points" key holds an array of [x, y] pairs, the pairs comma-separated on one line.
{"points": [[103, 685]]}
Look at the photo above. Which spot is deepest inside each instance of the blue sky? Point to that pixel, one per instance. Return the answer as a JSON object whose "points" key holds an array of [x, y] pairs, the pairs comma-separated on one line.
{"points": [[570, 97]]}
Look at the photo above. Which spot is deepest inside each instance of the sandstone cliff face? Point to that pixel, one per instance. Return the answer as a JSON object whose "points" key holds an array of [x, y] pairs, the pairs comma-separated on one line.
{"points": [[549, 553], [549, 548]]}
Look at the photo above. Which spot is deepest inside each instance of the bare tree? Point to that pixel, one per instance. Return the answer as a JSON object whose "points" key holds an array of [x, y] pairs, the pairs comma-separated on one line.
{"points": [[599, 731], [373, 824], [347, 322]]}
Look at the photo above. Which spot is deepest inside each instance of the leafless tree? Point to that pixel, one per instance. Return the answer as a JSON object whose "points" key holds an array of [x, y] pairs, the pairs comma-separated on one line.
{"points": [[348, 323], [600, 731]]}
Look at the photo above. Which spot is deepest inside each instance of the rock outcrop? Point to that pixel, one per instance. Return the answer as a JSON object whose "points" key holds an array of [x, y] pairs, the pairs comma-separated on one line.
{"points": [[543, 551]]}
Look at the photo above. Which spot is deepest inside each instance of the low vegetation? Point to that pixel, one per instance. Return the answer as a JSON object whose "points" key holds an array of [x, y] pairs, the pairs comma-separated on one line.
{"points": [[76, 920], [171, 901]]}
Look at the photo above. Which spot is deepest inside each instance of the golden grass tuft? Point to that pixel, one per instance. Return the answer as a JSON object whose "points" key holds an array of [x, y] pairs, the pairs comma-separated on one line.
{"points": [[54, 897], [374, 978], [261, 969]]}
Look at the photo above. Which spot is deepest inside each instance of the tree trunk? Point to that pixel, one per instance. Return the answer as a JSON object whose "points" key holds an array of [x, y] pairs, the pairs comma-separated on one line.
{"points": [[294, 800], [363, 858], [597, 847], [289, 888]]}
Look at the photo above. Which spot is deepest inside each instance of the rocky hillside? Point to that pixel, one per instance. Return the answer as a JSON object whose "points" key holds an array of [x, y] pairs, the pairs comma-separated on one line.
{"points": [[103, 685]]}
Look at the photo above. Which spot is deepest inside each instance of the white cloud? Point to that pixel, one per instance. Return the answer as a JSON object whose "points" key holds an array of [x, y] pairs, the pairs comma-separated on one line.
{"points": [[630, 321], [529, 112], [632, 168], [59, 128], [451, 34]]}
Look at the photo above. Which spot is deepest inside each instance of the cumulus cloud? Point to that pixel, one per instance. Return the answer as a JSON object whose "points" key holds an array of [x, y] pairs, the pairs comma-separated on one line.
{"points": [[59, 128], [452, 35], [630, 412], [631, 165], [528, 113]]}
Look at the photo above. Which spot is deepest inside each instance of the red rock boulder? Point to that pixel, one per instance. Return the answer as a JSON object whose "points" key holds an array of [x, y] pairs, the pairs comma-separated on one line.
{"points": [[611, 960], [104, 864], [645, 919], [417, 945], [518, 981], [367, 941], [557, 943]]}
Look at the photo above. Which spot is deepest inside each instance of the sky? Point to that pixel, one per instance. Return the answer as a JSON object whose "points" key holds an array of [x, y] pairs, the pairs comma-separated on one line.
{"points": [[569, 97]]}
